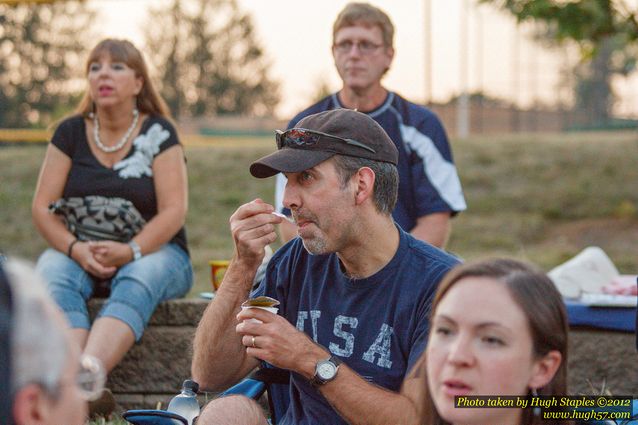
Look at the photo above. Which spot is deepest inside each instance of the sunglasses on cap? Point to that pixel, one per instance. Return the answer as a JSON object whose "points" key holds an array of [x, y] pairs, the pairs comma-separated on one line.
{"points": [[302, 137]]}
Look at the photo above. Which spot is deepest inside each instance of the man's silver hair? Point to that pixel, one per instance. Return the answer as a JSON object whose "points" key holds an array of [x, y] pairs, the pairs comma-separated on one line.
{"points": [[38, 343]]}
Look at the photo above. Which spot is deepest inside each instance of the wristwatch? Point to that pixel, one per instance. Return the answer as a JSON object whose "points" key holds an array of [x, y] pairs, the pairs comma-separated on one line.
{"points": [[325, 371], [137, 252]]}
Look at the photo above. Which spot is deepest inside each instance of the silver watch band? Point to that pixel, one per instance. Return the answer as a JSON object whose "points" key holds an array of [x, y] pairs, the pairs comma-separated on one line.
{"points": [[137, 252]]}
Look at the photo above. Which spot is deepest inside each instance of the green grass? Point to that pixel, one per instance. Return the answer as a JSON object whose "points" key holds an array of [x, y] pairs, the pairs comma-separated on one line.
{"points": [[539, 198], [544, 198]]}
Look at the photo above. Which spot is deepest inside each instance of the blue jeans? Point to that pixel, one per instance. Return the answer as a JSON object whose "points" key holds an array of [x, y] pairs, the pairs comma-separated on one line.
{"points": [[136, 288]]}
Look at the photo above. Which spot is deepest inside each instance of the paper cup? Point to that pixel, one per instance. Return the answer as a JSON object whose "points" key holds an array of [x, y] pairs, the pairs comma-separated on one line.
{"points": [[273, 310]]}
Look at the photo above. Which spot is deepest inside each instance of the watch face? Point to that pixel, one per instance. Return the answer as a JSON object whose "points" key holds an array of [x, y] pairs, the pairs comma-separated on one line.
{"points": [[326, 370]]}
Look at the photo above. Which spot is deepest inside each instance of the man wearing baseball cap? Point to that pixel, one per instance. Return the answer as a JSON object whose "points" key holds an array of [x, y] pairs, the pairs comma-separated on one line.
{"points": [[354, 289]]}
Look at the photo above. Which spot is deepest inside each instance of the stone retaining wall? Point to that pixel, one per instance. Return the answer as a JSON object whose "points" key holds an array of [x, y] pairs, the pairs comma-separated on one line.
{"points": [[153, 371], [605, 358]]}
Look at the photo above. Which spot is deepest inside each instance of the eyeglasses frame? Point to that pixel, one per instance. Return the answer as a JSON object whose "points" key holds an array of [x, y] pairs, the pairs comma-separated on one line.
{"points": [[340, 47], [88, 365]]}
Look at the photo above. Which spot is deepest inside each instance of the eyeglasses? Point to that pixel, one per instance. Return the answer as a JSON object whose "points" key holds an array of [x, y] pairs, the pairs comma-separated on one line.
{"points": [[365, 47], [303, 137], [90, 378]]}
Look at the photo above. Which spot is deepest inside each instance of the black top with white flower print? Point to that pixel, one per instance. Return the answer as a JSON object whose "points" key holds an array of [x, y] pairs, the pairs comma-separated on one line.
{"points": [[131, 178]]}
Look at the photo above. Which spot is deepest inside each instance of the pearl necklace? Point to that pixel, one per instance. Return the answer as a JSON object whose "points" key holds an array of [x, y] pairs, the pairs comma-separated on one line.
{"points": [[122, 142]]}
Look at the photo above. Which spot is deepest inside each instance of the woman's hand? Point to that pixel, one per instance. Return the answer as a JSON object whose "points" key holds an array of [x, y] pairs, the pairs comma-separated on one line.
{"points": [[111, 253], [83, 255]]}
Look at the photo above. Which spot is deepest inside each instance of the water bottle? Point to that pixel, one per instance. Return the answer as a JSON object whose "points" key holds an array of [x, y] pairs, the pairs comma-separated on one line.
{"points": [[185, 404]]}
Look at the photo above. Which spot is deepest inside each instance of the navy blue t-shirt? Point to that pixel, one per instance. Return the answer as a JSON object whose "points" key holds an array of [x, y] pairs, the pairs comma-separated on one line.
{"points": [[428, 180], [378, 326]]}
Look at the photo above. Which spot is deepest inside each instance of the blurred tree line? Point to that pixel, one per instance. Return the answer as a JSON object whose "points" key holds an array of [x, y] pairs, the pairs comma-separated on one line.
{"points": [[209, 59], [41, 55], [606, 33], [205, 52]]}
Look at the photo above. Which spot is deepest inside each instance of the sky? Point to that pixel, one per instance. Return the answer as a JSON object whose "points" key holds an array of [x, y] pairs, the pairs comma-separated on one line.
{"points": [[494, 54]]}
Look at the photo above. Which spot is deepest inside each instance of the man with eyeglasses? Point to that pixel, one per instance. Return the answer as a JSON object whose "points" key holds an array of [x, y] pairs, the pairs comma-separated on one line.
{"points": [[50, 381], [354, 289], [429, 190]]}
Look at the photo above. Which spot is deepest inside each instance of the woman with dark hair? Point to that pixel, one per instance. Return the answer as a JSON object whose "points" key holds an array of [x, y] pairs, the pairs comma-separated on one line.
{"points": [[120, 144], [498, 327]]}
